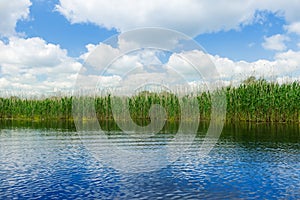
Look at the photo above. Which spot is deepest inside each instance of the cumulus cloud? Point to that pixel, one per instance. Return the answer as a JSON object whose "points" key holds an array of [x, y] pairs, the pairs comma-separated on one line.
{"points": [[191, 17], [193, 65], [54, 70], [293, 28], [10, 12], [275, 42], [135, 69], [285, 64], [33, 64]]}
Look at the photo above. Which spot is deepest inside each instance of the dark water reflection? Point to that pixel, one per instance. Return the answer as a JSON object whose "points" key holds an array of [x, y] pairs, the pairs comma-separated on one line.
{"points": [[250, 161]]}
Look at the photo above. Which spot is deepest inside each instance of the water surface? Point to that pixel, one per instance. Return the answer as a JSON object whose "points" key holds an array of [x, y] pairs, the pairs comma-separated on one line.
{"points": [[52, 162]]}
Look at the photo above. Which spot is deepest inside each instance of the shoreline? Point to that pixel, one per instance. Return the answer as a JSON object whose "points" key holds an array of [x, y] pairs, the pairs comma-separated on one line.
{"points": [[253, 101], [141, 120]]}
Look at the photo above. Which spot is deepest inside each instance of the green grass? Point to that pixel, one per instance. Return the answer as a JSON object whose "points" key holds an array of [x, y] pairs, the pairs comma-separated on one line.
{"points": [[254, 100]]}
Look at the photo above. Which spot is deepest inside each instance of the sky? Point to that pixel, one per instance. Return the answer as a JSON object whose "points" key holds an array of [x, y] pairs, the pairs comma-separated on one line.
{"points": [[44, 43]]}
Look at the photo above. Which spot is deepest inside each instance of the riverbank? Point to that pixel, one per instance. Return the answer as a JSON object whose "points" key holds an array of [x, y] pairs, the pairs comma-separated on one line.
{"points": [[252, 101]]}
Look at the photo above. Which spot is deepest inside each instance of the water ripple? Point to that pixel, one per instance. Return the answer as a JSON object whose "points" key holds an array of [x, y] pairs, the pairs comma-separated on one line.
{"points": [[54, 165]]}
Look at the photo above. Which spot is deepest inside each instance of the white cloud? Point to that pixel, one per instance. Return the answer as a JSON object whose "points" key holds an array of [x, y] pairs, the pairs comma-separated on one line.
{"points": [[275, 42], [132, 72], [288, 61], [289, 8], [285, 64], [99, 56], [191, 17], [287, 79], [33, 64], [293, 28], [192, 65], [10, 12]]}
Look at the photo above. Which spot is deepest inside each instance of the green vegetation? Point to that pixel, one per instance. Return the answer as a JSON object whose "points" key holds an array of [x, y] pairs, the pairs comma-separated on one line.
{"points": [[254, 100], [36, 109], [262, 101]]}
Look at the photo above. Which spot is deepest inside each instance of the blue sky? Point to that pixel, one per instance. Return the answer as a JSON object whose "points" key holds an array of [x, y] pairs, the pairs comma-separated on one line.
{"points": [[44, 42], [50, 25], [245, 43], [242, 44]]}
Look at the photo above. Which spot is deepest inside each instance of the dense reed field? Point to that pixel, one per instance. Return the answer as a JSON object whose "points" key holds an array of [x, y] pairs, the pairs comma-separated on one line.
{"points": [[253, 100]]}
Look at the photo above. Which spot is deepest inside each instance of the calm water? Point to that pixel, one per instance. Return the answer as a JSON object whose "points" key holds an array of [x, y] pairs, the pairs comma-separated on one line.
{"points": [[50, 161]]}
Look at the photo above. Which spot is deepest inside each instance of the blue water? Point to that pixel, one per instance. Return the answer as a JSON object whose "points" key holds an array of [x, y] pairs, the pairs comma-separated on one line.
{"points": [[246, 163]]}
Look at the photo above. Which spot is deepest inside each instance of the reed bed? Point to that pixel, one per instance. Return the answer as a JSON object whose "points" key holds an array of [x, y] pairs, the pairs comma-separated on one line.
{"points": [[253, 100], [263, 101]]}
